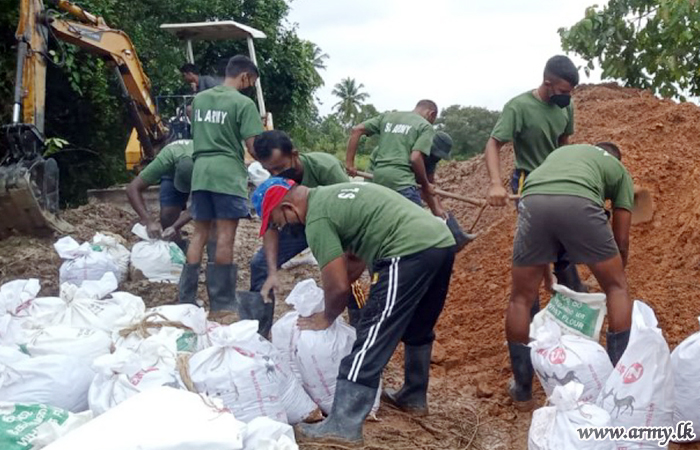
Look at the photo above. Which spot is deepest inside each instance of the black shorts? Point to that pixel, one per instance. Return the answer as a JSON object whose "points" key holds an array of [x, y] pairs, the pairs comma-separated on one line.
{"points": [[548, 224], [169, 196], [207, 206]]}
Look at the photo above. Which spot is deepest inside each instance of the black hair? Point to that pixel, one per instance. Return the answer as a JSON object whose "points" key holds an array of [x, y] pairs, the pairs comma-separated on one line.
{"points": [[427, 104], [561, 67], [268, 141], [191, 68], [240, 64], [610, 148]]}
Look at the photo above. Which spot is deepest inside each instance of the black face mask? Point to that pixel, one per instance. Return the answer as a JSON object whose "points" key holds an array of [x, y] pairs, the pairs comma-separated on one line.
{"points": [[294, 229], [248, 92], [290, 173], [561, 100]]}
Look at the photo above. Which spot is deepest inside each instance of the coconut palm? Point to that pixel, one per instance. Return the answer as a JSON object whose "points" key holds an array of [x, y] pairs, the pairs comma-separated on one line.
{"points": [[351, 99], [319, 57]]}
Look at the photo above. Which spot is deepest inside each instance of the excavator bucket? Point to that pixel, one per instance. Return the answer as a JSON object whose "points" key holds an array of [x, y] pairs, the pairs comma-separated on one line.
{"points": [[643, 210], [29, 199]]}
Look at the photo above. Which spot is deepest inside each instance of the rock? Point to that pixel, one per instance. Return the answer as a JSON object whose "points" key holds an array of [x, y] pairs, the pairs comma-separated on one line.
{"points": [[483, 391]]}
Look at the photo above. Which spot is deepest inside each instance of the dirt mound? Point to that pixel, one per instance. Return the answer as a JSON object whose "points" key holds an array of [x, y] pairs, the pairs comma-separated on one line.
{"points": [[660, 143]]}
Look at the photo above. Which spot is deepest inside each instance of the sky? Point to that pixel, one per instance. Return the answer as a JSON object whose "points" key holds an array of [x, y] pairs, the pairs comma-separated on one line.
{"points": [[466, 52]]}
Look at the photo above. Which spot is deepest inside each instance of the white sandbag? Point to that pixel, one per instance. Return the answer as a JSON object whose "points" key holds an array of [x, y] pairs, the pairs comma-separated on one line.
{"points": [[303, 258], [296, 402], [639, 392], [84, 343], [554, 427], [559, 359], [159, 419], [314, 355], [125, 373], [21, 311], [82, 263], [188, 328], [575, 312], [257, 173], [88, 309], [113, 245], [231, 370], [15, 295], [158, 260], [685, 366], [34, 426], [57, 380], [263, 433]]}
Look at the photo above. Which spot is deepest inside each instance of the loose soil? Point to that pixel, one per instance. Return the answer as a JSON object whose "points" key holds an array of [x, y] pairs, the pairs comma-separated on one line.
{"points": [[469, 409]]}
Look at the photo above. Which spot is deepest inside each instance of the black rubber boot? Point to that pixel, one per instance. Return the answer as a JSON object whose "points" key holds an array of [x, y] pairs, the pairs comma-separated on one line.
{"points": [[460, 236], [567, 275], [252, 306], [221, 286], [189, 280], [343, 426], [520, 387], [616, 344], [413, 396]]}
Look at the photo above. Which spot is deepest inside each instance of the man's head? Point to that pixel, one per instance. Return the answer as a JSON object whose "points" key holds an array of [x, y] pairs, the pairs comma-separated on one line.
{"points": [[427, 109], [279, 202], [560, 78], [276, 152], [190, 73], [610, 148], [241, 73], [442, 145], [183, 175]]}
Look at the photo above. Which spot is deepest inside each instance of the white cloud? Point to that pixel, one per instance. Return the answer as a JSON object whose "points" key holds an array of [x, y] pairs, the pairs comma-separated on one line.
{"points": [[452, 51]]}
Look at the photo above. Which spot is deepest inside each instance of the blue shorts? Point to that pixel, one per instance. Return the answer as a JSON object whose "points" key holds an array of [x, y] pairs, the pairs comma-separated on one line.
{"points": [[412, 194], [207, 205], [169, 196]]}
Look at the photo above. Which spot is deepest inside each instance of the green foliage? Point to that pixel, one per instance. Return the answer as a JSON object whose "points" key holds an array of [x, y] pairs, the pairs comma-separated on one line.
{"points": [[83, 101], [351, 100], [648, 44], [469, 127]]}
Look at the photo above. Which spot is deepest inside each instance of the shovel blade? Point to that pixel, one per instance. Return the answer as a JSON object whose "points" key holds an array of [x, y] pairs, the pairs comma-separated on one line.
{"points": [[643, 210]]}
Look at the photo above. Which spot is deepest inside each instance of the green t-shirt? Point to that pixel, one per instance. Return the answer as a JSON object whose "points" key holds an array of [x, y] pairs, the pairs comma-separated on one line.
{"points": [[165, 162], [534, 127], [371, 221], [400, 133], [322, 169], [584, 171], [222, 119]]}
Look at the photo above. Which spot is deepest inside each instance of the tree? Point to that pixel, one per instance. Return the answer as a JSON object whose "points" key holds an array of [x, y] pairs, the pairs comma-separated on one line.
{"points": [[648, 44], [469, 127], [83, 94], [351, 99], [319, 57]]}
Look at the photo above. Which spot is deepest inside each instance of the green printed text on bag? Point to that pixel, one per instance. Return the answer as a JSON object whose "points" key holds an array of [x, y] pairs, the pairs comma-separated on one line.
{"points": [[575, 315], [19, 423]]}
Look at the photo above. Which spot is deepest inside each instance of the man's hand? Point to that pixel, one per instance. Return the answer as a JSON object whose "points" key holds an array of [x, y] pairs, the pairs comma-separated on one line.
{"points": [[497, 195], [169, 234], [351, 170], [271, 283], [153, 229], [315, 322]]}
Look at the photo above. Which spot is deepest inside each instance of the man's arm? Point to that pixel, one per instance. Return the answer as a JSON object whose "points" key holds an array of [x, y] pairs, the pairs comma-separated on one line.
{"points": [[431, 180], [172, 231], [563, 140], [622, 219], [336, 289], [271, 241], [134, 192], [249, 144], [427, 189], [355, 134], [497, 194]]}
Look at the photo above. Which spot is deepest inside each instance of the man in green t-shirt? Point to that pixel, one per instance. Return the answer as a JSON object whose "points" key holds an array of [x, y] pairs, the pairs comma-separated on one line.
{"points": [[172, 168], [562, 206], [223, 119], [277, 154], [411, 255], [404, 139]]}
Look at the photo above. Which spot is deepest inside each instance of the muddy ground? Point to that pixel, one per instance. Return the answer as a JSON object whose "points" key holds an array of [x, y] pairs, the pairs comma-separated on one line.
{"points": [[469, 409]]}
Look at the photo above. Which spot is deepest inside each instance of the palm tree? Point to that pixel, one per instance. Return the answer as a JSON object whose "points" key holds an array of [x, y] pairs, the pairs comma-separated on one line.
{"points": [[351, 99], [319, 57]]}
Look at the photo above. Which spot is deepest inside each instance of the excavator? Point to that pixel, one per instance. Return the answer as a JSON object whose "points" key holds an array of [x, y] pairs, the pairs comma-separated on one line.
{"points": [[29, 197]]}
